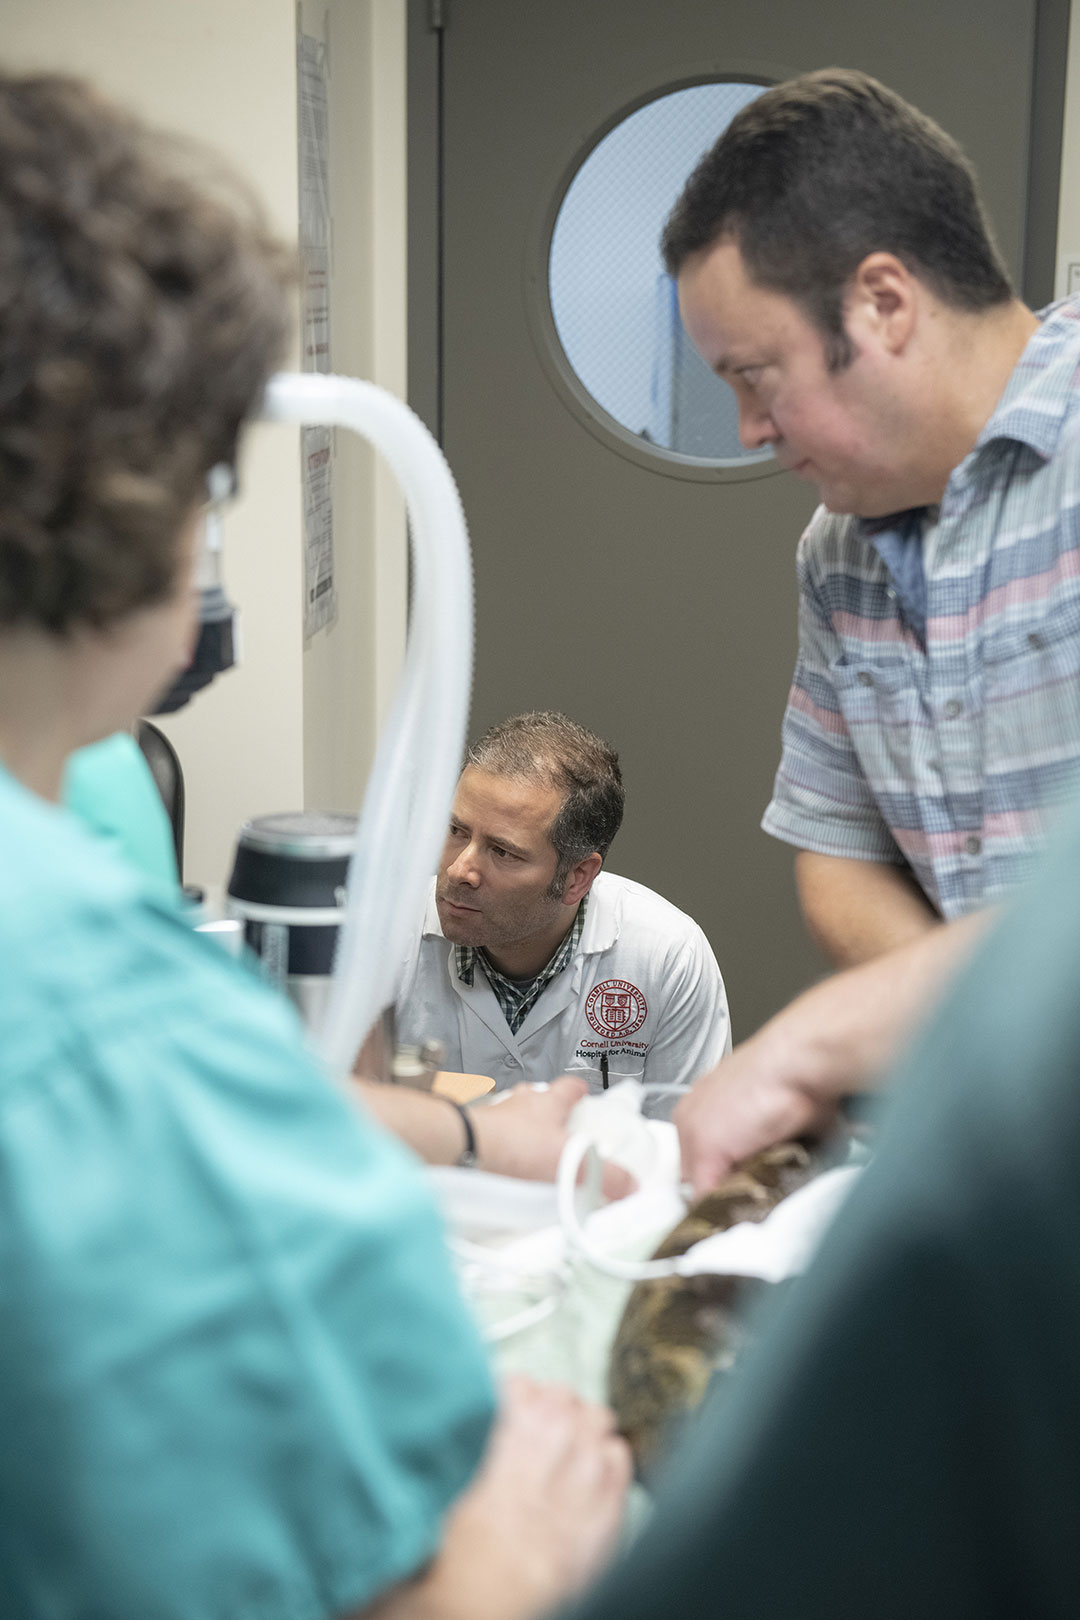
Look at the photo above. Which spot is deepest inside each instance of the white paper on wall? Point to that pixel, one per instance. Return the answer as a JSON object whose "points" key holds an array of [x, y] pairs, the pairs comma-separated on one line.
{"points": [[317, 444], [320, 599]]}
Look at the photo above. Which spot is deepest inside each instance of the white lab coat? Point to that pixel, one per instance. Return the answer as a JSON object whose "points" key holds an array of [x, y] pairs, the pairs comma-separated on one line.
{"points": [[643, 987]]}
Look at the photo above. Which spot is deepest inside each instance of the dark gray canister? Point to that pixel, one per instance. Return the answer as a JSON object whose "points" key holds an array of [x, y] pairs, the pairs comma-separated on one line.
{"points": [[288, 889]]}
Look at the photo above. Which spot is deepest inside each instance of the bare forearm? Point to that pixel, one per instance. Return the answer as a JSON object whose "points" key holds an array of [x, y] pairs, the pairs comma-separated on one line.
{"points": [[856, 910], [430, 1125], [840, 1035], [520, 1133], [836, 1038]]}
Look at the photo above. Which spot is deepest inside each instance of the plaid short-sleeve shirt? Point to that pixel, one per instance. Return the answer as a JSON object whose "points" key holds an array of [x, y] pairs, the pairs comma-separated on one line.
{"points": [[934, 717]]}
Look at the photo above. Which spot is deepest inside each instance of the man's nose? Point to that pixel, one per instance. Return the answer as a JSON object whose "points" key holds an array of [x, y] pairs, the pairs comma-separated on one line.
{"points": [[463, 868], [756, 428]]}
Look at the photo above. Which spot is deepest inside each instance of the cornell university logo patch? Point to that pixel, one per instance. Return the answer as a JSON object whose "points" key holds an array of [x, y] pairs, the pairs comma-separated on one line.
{"points": [[615, 1008]]}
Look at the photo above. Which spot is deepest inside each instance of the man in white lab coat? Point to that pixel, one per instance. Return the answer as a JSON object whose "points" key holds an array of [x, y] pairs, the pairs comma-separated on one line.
{"points": [[532, 961]]}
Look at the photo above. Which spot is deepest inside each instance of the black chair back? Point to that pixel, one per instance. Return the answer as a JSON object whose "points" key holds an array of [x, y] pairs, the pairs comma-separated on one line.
{"points": [[164, 763]]}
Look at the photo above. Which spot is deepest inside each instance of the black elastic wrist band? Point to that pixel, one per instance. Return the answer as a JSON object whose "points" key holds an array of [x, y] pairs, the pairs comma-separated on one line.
{"points": [[468, 1158]]}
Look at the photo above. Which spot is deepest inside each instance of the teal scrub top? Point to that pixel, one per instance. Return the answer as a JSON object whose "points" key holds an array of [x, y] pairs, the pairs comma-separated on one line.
{"points": [[110, 786], [906, 1440], [236, 1377]]}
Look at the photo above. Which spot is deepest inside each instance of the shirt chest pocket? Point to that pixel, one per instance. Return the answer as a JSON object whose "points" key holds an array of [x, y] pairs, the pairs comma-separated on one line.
{"points": [[882, 709], [1032, 693], [590, 1067]]}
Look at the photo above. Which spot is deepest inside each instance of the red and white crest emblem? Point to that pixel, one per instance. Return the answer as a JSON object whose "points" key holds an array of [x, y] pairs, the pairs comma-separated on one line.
{"points": [[616, 1007]]}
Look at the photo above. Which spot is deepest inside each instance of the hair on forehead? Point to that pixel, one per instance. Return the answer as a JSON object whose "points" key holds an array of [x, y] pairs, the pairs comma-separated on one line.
{"points": [[817, 173], [547, 747]]}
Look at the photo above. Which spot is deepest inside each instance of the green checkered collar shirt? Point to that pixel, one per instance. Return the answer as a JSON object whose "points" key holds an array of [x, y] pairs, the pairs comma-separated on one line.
{"points": [[518, 997]]}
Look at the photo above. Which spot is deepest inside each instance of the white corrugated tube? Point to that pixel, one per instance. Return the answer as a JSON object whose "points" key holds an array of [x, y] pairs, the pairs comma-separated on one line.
{"points": [[407, 802]]}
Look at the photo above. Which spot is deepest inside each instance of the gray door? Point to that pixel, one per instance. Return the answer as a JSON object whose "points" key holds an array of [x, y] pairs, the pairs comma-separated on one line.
{"points": [[656, 603]]}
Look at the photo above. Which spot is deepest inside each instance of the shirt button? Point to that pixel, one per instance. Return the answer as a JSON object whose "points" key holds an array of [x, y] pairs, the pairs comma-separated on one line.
{"points": [[1036, 641], [510, 1063], [973, 844], [865, 678], [953, 708], [890, 593]]}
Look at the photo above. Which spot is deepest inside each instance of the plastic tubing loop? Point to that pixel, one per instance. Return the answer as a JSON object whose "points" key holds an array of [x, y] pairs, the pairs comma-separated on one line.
{"points": [[407, 802], [570, 1161]]}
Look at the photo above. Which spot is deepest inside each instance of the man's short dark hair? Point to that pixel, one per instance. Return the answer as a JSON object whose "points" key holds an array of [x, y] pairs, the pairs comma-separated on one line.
{"points": [[815, 174], [546, 747], [141, 313]]}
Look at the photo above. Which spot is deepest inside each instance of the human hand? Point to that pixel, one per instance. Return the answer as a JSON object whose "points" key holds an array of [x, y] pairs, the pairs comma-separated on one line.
{"points": [[541, 1516], [522, 1132], [837, 1037], [750, 1101]]}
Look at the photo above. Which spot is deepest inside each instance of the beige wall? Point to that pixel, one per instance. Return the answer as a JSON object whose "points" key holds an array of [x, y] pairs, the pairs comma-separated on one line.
{"points": [[292, 726]]}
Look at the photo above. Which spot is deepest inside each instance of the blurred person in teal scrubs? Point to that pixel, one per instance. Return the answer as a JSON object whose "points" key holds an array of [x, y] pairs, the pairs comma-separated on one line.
{"points": [[236, 1378], [108, 784]]}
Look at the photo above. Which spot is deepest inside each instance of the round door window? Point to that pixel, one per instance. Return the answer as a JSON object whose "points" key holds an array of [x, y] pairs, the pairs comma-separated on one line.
{"points": [[614, 305]]}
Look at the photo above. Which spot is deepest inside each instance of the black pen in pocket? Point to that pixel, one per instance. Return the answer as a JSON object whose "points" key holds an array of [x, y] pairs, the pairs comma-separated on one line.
{"points": [[603, 1069]]}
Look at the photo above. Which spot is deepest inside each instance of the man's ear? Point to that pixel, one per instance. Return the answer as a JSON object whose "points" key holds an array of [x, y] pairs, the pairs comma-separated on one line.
{"points": [[882, 302], [580, 879]]}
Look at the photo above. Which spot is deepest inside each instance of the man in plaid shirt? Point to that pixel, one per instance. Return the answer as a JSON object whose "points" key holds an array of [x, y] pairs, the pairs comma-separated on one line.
{"points": [[835, 267]]}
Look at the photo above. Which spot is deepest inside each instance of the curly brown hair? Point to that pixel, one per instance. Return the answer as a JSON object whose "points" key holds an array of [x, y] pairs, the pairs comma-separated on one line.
{"points": [[141, 312]]}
